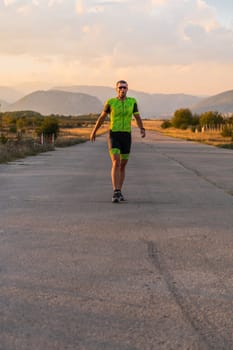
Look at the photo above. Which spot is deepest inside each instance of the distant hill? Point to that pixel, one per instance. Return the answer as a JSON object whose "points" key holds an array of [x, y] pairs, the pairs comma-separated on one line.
{"points": [[101, 92], [58, 102], [151, 105], [9, 95], [222, 103], [84, 99], [3, 105]]}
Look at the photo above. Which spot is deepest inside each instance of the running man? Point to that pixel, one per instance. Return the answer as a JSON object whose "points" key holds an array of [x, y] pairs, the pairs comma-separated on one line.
{"points": [[121, 109]]}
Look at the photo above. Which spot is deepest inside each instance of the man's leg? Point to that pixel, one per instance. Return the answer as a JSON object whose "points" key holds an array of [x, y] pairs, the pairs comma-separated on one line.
{"points": [[119, 149], [118, 176], [116, 171], [123, 163]]}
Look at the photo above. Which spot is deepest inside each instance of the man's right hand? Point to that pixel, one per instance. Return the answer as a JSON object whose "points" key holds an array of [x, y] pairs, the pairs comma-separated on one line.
{"points": [[92, 136], [143, 132], [97, 125]]}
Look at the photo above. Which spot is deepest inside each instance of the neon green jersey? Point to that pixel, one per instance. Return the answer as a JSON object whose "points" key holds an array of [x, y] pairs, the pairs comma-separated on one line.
{"points": [[121, 112]]}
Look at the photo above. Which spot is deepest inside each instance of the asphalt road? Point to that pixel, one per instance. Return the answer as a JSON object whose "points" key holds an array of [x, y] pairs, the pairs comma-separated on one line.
{"points": [[80, 273]]}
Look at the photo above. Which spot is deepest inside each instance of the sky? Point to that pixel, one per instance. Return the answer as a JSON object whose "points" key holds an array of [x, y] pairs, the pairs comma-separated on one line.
{"points": [[158, 46]]}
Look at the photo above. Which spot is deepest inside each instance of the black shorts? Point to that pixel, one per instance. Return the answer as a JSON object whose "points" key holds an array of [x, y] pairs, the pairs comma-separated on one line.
{"points": [[119, 142]]}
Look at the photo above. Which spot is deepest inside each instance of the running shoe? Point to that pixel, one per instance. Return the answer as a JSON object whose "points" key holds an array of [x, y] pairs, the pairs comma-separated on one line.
{"points": [[116, 197], [122, 198]]}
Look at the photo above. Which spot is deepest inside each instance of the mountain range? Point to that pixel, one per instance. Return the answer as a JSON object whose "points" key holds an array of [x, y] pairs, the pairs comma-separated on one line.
{"points": [[222, 103], [150, 105], [58, 102], [83, 99], [9, 95]]}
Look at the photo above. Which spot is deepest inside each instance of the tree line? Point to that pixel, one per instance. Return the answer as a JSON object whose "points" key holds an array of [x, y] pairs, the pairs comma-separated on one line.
{"points": [[184, 119], [24, 122]]}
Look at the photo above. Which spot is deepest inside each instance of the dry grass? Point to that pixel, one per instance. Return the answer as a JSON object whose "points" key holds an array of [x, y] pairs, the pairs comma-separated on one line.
{"points": [[67, 137], [208, 137], [13, 150], [83, 132], [153, 124], [72, 136]]}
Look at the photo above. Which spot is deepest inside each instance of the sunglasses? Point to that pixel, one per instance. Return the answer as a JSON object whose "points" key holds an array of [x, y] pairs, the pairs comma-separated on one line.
{"points": [[122, 87]]}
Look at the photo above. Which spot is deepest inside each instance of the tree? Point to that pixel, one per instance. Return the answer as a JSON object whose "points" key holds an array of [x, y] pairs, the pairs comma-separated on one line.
{"points": [[182, 118], [211, 119], [49, 127], [230, 120], [21, 123], [195, 120], [8, 119], [227, 131], [166, 124]]}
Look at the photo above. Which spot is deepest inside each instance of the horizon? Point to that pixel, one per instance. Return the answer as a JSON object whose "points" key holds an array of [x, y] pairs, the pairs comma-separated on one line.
{"points": [[30, 86], [151, 105], [26, 89], [163, 46]]}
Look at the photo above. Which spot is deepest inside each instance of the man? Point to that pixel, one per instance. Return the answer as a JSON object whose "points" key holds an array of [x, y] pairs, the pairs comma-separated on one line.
{"points": [[120, 109]]}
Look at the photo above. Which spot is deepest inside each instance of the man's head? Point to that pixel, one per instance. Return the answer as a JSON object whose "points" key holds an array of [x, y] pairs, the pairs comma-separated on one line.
{"points": [[121, 88]]}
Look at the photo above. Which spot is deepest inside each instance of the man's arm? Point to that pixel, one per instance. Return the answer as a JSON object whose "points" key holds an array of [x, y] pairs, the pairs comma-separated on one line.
{"points": [[140, 124], [98, 124]]}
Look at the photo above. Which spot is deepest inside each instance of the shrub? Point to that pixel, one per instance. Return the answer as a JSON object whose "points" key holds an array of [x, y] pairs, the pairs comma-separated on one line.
{"points": [[49, 126], [20, 149], [227, 131], [183, 126], [166, 124], [3, 139], [211, 118], [13, 129], [195, 120], [182, 118]]}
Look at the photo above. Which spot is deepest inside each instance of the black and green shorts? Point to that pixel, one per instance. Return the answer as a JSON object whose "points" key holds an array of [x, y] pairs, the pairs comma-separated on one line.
{"points": [[119, 142]]}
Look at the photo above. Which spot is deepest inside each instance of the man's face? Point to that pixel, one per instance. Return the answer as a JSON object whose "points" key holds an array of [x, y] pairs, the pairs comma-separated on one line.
{"points": [[122, 89]]}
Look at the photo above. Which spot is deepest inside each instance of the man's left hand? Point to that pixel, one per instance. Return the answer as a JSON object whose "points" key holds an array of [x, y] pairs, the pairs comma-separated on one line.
{"points": [[143, 132]]}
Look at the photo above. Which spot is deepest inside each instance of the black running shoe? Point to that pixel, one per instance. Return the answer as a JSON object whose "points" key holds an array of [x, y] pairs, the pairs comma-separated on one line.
{"points": [[116, 197], [122, 198]]}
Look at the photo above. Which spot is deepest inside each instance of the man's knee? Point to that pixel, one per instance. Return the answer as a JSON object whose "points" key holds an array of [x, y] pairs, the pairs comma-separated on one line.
{"points": [[116, 162], [123, 163]]}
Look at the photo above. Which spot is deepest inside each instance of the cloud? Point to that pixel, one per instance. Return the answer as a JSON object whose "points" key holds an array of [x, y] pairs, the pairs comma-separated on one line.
{"points": [[24, 10], [158, 2], [24, 3], [9, 2], [80, 7], [153, 31], [54, 2], [83, 7], [119, 34]]}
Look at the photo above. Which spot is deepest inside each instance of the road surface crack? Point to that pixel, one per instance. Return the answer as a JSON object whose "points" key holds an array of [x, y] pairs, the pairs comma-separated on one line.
{"points": [[208, 336], [198, 173]]}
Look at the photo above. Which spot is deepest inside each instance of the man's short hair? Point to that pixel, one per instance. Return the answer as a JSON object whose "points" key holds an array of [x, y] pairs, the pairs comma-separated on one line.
{"points": [[121, 82]]}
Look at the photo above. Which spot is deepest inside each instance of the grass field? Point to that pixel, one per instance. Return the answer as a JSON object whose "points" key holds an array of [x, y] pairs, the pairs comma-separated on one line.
{"points": [[72, 136], [208, 137], [16, 150], [13, 149], [83, 132]]}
